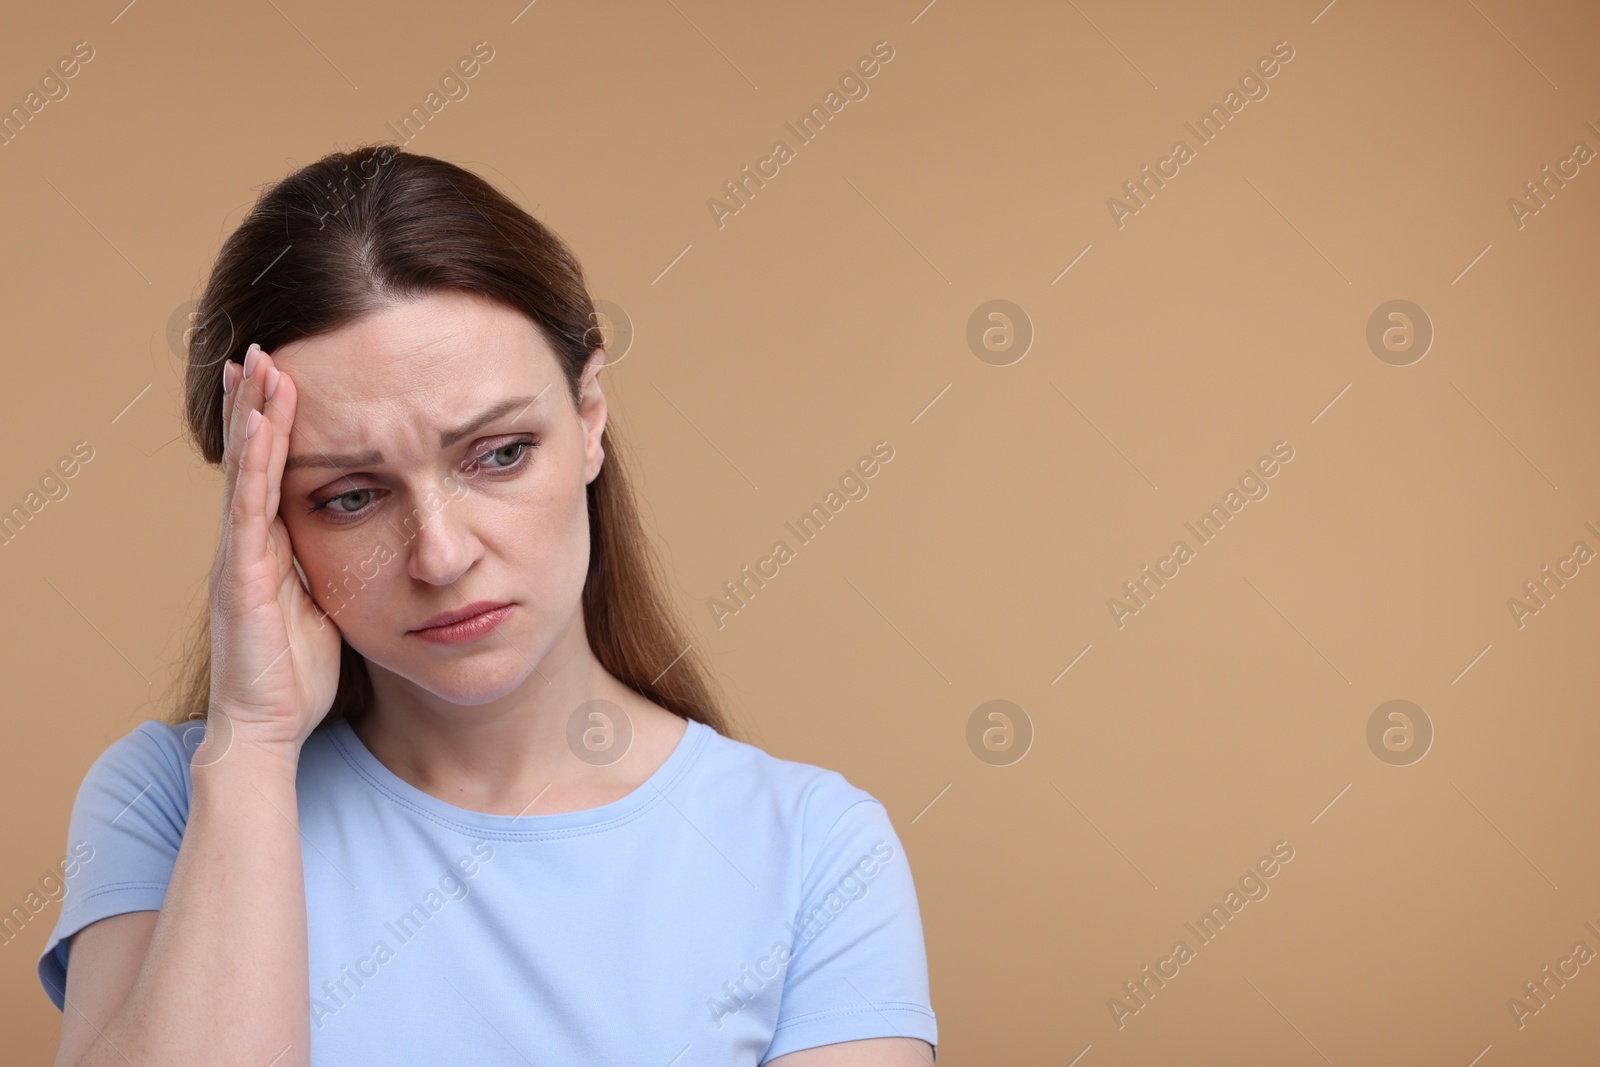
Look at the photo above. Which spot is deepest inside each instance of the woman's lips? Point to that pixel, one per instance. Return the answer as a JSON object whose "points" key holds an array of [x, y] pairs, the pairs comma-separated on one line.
{"points": [[466, 611], [466, 629]]}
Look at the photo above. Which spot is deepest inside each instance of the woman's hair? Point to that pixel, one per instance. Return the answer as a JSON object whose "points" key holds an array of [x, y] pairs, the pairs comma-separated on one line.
{"points": [[358, 231]]}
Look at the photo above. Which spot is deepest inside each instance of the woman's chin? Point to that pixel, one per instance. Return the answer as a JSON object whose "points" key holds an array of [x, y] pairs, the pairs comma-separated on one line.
{"points": [[477, 680], [480, 687]]}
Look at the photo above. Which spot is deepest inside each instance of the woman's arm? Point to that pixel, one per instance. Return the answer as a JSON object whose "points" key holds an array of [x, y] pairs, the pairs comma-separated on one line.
{"points": [[220, 974], [224, 978]]}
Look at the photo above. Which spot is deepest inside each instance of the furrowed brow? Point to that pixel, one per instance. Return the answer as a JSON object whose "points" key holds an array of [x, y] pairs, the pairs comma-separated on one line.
{"points": [[341, 461]]}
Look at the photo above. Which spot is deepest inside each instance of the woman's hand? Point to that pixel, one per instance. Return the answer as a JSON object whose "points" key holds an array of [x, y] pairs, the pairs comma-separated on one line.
{"points": [[274, 652]]}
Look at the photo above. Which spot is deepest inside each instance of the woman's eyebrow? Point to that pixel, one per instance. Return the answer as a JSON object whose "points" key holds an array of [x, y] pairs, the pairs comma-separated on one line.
{"points": [[449, 437], [519, 404]]}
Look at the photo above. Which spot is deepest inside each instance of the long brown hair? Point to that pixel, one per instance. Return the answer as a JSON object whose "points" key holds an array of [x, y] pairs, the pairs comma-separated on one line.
{"points": [[358, 230]]}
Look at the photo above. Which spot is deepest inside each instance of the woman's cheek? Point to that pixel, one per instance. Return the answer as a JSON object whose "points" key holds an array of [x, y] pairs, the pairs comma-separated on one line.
{"points": [[545, 542], [337, 579], [575, 550]]}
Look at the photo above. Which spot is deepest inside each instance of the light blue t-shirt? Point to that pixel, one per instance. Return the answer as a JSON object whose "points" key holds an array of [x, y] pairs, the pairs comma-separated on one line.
{"points": [[733, 908]]}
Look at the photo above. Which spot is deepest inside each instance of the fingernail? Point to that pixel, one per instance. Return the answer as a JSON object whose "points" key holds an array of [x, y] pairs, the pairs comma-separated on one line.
{"points": [[272, 382], [227, 377], [250, 358], [251, 424]]}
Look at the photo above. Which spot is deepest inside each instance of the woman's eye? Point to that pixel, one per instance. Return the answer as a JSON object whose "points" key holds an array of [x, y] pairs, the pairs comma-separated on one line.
{"points": [[510, 456], [512, 460], [344, 497]]}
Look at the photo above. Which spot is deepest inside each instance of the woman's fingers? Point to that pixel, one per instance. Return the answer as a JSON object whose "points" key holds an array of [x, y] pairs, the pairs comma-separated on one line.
{"points": [[230, 395], [230, 447], [280, 409], [244, 398], [255, 447], [248, 515], [231, 373]]}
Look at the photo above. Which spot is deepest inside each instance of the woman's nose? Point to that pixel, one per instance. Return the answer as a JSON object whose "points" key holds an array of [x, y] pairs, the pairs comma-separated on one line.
{"points": [[442, 544]]}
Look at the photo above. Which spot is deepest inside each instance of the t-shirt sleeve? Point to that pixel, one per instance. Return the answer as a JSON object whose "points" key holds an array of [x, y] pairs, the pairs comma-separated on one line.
{"points": [[858, 967], [122, 839]]}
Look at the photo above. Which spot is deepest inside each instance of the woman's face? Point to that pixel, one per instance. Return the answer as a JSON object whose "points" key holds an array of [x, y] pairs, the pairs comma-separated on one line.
{"points": [[403, 501]]}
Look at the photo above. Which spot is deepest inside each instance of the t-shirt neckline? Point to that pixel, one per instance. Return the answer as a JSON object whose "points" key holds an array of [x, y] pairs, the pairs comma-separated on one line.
{"points": [[520, 827]]}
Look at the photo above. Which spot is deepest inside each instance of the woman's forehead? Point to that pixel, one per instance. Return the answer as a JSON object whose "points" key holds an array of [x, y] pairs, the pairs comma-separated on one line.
{"points": [[402, 346], [407, 374]]}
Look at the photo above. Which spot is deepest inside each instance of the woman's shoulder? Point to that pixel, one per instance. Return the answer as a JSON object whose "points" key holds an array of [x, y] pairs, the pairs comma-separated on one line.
{"points": [[766, 764], [165, 736], [752, 777], [155, 752], [123, 834], [141, 778]]}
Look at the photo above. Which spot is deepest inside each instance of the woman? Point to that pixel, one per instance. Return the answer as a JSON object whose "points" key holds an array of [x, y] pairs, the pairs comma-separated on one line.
{"points": [[449, 785]]}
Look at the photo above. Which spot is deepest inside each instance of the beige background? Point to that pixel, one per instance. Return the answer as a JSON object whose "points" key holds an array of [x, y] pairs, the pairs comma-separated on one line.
{"points": [[831, 312]]}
